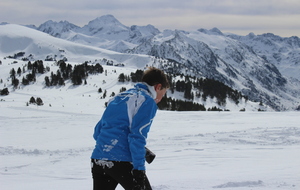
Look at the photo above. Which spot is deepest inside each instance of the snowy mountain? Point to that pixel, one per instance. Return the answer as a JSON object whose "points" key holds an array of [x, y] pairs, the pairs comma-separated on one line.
{"points": [[20, 44], [57, 29], [282, 52], [105, 27], [104, 32], [213, 55], [38, 45], [265, 67]]}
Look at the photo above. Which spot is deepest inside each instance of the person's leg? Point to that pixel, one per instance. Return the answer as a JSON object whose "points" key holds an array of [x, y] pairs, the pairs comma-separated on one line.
{"points": [[122, 173], [141, 181], [147, 184], [102, 181]]}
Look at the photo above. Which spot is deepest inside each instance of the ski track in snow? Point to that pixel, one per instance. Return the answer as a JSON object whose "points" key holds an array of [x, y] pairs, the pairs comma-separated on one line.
{"points": [[195, 150]]}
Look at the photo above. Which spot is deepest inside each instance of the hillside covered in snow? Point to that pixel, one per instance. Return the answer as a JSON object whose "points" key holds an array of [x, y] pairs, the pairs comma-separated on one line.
{"points": [[263, 68]]}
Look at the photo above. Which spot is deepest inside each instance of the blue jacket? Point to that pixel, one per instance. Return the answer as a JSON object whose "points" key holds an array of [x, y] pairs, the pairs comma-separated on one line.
{"points": [[122, 131]]}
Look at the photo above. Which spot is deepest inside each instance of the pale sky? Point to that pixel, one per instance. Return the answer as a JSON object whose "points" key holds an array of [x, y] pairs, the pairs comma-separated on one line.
{"points": [[281, 17]]}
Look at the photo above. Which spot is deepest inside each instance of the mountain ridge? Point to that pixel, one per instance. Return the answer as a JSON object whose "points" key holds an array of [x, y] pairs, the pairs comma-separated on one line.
{"points": [[244, 63]]}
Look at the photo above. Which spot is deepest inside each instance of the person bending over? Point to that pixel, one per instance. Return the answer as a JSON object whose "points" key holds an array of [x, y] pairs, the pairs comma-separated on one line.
{"points": [[121, 133]]}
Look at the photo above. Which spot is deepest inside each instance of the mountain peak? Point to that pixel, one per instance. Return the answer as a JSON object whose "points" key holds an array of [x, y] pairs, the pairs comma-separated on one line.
{"points": [[105, 20], [108, 17], [213, 31], [251, 35], [216, 31], [148, 30], [57, 28], [106, 24]]}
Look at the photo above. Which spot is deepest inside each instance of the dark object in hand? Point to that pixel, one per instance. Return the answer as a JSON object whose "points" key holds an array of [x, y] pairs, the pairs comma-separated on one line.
{"points": [[149, 156]]}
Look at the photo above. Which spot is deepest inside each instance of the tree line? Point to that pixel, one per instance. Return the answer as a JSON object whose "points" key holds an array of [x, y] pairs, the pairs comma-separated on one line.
{"points": [[77, 75], [191, 87], [33, 68]]}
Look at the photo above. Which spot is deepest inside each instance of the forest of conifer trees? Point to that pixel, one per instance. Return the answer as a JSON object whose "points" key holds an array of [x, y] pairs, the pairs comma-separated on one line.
{"points": [[191, 87]]}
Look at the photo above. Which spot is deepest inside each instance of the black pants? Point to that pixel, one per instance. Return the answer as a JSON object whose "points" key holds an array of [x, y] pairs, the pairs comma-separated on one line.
{"points": [[108, 174]]}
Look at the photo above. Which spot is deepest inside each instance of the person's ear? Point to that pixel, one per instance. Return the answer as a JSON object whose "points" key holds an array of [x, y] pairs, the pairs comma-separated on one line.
{"points": [[157, 87]]}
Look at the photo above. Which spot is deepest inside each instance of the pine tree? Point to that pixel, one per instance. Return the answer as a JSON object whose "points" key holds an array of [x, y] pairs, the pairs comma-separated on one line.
{"points": [[112, 94], [25, 81], [15, 82], [12, 73], [40, 66], [19, 71], [39, 101], [47, 81], [104, 94], [121, 77], [122, 89], [32, 100], [188, 91], [98, 68], [29, 66], [61, 82], [62, 66], [4, 92]]}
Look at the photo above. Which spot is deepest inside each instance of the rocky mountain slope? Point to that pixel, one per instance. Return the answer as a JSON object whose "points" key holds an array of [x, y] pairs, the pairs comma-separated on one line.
{"points": [[263, 67]]}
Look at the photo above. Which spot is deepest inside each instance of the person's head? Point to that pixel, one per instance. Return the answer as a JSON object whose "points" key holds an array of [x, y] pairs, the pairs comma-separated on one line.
{"points": [[157, 78]]}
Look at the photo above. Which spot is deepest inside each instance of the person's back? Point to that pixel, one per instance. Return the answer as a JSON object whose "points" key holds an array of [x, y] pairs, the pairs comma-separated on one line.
{"points": [[115, 129], [119, 154]]}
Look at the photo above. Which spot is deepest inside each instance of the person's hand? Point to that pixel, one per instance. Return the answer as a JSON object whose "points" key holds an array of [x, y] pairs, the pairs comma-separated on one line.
{"points": [[139, 179]]}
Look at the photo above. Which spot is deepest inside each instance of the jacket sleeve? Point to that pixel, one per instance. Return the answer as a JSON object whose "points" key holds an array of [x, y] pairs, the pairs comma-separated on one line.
{"points": [[97, 129], [140, 127]]}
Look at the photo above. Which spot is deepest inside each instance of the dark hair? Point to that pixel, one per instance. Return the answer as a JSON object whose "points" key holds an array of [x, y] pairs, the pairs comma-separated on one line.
{"points": [[153, 76]]}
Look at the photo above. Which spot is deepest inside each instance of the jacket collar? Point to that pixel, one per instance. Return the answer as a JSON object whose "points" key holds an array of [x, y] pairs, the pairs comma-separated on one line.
{"points": [[148, 88]]}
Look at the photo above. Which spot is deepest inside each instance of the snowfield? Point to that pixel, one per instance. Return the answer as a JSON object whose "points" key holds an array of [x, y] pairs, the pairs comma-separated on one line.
{"points": [[48, 147], [44, 149]]}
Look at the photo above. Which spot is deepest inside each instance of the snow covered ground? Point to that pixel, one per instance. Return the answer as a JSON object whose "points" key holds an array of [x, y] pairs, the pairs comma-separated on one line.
{"points": [[49, 148]]}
